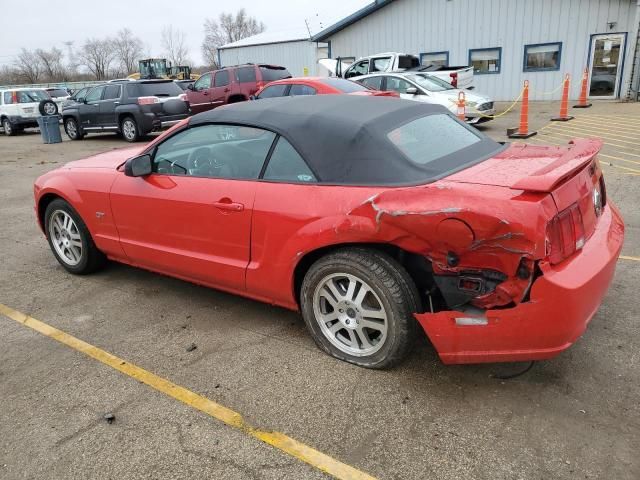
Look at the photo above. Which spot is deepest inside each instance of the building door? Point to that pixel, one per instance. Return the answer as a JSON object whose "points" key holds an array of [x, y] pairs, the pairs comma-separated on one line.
{"points": [[606, 57]]}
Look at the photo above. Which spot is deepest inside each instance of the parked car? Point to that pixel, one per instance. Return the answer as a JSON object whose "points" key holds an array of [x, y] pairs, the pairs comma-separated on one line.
{"points": [[21, 107], [58, 95], [231, 85], [372, 217], [132, 108], [317, 86], [457, 76], [426, 88]]}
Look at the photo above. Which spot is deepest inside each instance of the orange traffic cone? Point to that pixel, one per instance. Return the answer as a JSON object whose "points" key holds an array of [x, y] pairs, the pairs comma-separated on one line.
{"points": [[582, 101], [523, 130], [564, 117], [461, 107]]}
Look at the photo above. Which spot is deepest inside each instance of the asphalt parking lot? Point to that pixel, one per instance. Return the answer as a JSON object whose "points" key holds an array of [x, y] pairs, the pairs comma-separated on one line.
{"points": [[574, 417]]}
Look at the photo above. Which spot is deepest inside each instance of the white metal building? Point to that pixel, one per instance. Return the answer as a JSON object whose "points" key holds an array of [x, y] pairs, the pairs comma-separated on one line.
{"points": [[291, 49], [507, 41]]}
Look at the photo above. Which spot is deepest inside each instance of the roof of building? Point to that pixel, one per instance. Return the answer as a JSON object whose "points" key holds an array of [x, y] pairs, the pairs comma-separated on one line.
{"points": [[265, 38], [344, 139], [354, 17]]}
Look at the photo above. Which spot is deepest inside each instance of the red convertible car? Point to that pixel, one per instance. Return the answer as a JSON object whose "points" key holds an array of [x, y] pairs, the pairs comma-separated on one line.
{"points": [[293, 87], [372, 216]]}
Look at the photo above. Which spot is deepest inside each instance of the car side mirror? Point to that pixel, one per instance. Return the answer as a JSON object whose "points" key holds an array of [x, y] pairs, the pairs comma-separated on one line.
{"points": [[253, 97], [411, 91], [190, 86], [138, 166]]}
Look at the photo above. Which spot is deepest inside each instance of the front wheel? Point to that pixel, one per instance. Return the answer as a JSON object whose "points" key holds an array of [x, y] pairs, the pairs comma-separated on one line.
{"points": [[70, 240], [129, 129], [358, 305]]}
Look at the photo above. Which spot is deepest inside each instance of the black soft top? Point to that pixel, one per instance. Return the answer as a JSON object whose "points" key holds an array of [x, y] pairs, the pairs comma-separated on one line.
{"points": [[344, 139]]}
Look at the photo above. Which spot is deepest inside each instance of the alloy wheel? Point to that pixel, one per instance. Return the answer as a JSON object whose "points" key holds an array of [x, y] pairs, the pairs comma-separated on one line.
{"points": [[65, 237], [350, 314], [129, 129]]}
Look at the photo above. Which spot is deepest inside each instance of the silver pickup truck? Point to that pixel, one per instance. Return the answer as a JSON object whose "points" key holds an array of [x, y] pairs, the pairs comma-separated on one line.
{"points": [[459, 77]]}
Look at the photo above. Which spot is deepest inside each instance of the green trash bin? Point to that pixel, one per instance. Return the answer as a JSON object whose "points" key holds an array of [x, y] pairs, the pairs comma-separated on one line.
{"points": [[50, 128]]}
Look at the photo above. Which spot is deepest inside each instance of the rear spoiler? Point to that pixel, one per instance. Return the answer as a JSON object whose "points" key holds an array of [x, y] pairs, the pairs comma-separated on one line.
{"points": [[581, 152]]}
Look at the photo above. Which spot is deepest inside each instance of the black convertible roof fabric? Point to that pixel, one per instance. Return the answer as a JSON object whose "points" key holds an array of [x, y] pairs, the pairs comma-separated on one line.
{"points": [[343, 138]]}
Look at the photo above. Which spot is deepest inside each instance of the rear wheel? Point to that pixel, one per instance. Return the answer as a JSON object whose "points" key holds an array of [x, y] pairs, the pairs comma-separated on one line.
{"points": [[129, 129], [8, 128], [70, 240], [358, 305], [72, 129]]}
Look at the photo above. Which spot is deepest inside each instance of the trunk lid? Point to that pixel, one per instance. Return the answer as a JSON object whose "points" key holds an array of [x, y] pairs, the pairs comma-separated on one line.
{"points": [[571, 175]]}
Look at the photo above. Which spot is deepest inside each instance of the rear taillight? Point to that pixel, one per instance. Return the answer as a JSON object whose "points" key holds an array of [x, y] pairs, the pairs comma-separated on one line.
{"points": [[454, 79], [148, 100], [565, 234]]}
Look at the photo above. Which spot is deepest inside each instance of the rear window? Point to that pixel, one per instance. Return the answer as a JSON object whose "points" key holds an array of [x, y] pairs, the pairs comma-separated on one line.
{"points": [[246, 74], [30, 96], [155, 89], [58, 92], [345, 86], [269, 74], [432, 137]]}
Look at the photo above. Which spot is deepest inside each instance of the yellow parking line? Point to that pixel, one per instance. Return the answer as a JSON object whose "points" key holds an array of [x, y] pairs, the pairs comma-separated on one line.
{"points": [[615, 120], [626, 257], [606, 141], [617, 158], [233, 419], [614, 127], [600, 132]]}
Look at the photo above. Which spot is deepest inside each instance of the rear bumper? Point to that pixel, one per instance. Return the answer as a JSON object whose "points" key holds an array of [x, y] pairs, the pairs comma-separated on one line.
{"points": [[151, 121], [563, 301], [23, 122]]}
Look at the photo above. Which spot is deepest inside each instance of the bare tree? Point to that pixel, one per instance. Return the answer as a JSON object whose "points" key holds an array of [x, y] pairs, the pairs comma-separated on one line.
{"points": [[128, 50], [28, 66], [51, 62], [228, 28], [98, 55], [174, 45]]}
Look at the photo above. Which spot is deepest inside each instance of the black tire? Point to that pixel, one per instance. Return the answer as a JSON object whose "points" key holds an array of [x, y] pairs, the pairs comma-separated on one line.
{"points": [[392, 285], [91, 259], [74, 132], [9, 129], [129, 129], [48, 108]]}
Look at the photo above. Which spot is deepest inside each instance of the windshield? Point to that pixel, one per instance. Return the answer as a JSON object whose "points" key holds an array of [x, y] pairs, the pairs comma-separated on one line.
{"points": [[432, 84], [345, 86], [31, 96]]}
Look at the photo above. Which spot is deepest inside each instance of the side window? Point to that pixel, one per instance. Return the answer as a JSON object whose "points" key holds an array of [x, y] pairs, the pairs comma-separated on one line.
{"points": [[222, 78], [286, 165], [95, 94], [273, 91], [8, 98], [380, 64], [360, 68], [397, 85], [373, 82], [301, 90], [112, 92], [246, 74], [214, 151], [203, 83]]}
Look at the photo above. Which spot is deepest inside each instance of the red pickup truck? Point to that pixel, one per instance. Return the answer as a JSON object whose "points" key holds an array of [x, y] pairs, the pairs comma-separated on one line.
{"points": [[231, 85]]}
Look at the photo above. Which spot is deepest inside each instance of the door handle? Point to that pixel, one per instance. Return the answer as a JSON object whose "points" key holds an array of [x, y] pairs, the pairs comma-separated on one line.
{"points": [[227, 90], [228, 205], [205, 93]]}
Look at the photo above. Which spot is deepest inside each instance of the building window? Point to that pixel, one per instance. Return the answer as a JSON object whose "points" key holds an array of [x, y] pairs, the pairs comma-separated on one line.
{"points": [[542, 56], [485, 60], [440, 59]]}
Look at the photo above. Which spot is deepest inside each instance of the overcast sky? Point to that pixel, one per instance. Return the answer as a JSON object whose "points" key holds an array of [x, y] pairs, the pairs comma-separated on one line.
{"points": [[50, 24]]}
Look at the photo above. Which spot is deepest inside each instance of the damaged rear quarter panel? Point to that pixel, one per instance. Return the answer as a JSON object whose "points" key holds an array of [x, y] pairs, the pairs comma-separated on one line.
{"points": [[506, 226]]}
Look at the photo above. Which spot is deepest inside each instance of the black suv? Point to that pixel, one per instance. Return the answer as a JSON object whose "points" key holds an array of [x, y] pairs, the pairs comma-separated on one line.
{"points": [[131, 108]]}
